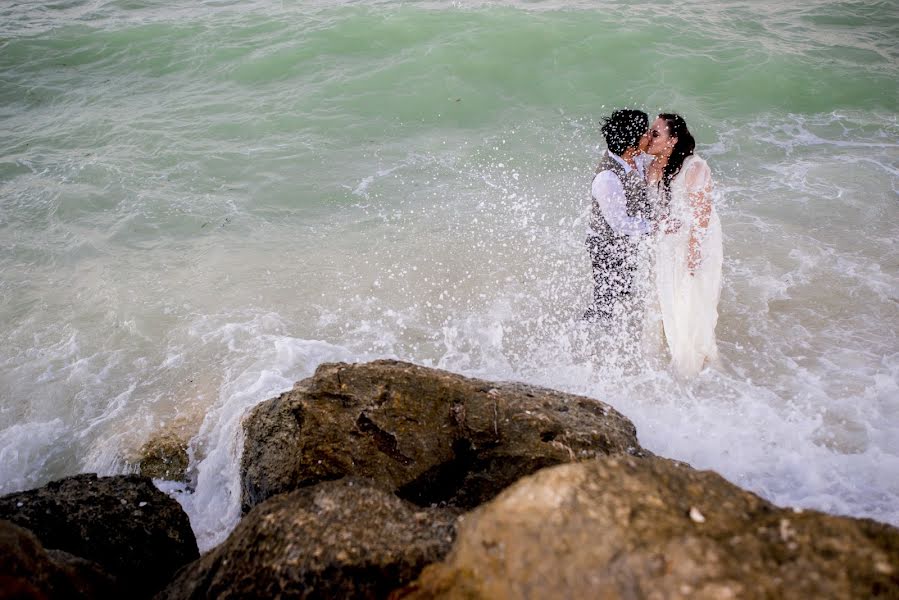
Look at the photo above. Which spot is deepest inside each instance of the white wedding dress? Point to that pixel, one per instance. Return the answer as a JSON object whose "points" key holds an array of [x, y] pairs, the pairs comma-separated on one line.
{"points": [[688, 303]]}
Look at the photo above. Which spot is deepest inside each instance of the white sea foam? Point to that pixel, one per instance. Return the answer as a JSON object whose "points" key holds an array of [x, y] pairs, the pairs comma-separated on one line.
{"points": [[27, 449]]}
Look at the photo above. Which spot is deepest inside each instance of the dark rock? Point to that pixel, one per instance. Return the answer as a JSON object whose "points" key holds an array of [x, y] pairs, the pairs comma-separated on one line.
{"points": [[649, 528], [136, 533], [27, 570], [339, 539], [432, 436]]}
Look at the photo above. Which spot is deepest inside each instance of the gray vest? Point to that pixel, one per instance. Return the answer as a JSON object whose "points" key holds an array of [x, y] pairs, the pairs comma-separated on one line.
{"points": [[636, 202]]}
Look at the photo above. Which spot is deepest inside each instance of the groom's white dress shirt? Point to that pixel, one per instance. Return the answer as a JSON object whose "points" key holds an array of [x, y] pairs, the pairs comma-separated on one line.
{"points": [[608, 193]]}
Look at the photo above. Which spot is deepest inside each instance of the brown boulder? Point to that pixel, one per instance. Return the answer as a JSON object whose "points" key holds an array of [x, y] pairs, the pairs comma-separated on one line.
{"points": [[163, 457], [430, 435], [27, 570], [135, 532], [338, 539], [622, 528]]}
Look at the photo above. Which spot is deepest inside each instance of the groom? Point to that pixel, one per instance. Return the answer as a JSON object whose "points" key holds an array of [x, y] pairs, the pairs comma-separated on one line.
{"points": [[620, 213]]}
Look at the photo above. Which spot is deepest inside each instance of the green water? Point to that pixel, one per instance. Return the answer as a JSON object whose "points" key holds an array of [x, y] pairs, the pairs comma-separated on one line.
{"points": [[199, 202]]}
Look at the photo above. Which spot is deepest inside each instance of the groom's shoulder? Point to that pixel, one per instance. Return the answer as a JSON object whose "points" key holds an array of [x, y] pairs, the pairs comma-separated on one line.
{"points": [[607, 164]]}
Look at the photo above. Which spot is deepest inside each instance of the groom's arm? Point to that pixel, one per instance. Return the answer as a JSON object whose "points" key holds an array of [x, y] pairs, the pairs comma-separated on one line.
{"points": [[608, 195]]}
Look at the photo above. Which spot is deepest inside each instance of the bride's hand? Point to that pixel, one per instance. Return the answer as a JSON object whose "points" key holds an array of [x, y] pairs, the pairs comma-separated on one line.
{"points": [[672, 226]]}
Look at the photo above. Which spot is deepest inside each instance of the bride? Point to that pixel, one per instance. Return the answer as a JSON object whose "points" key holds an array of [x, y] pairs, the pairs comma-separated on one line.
{"points": [[689, 247]]}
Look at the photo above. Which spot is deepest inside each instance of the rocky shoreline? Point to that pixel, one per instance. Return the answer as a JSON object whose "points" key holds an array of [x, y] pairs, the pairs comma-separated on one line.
{"points": [[391, 480]]}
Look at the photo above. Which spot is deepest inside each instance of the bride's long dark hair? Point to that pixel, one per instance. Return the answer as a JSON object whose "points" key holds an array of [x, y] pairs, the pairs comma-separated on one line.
{"points": [[683, 148]]}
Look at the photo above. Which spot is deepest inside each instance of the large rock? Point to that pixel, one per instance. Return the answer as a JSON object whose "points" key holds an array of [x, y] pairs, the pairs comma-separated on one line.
{"points": [[340, 539], [136, 533], [164, 454], [433, 436], [649, 528], [28, 570], [163, 457]]}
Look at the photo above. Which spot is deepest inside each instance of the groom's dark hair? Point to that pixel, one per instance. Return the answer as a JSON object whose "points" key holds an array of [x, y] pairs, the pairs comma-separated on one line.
{"points": [[624, 128]]}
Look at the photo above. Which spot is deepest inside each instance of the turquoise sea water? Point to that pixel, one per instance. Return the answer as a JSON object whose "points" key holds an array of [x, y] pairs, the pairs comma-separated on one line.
{"points": [[201, 201]]}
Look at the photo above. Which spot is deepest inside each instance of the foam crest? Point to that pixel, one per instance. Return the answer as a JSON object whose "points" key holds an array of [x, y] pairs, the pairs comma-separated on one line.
{"points": [[27, 450]]}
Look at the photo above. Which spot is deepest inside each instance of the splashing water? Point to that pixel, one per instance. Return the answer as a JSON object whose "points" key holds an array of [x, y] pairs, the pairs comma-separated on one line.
{"points": [[198, 205]]}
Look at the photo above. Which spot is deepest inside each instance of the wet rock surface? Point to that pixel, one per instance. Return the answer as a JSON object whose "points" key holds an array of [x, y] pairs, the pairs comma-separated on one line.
{"points": [[136, 533], [339, 539], [652, 528], [357, 481], [164, 457], [28, 570], [431, 436]]}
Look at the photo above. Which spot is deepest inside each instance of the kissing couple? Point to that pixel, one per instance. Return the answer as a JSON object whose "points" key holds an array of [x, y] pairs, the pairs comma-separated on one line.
{"points": [[652, 218]]}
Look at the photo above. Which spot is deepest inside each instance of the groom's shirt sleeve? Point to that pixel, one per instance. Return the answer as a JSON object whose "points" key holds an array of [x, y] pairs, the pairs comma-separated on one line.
{"points": [[608, 193]]}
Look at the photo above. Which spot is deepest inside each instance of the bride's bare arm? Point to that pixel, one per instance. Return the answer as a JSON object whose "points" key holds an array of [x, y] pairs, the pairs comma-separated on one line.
{"points": [[699, 186]]}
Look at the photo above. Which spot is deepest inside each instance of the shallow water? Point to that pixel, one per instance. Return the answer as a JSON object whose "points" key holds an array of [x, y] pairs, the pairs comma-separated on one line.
{"points": [[201, 202]]}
